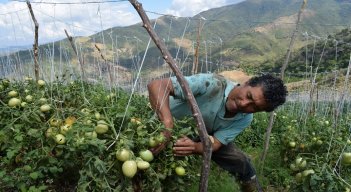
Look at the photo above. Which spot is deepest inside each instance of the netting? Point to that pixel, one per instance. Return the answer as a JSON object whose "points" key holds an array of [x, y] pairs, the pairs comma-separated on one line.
{"points": [[113, 66]]}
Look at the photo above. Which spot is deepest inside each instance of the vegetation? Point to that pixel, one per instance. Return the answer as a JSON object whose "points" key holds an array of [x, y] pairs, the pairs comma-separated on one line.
{"points": [[79, 136], [68, 135]]}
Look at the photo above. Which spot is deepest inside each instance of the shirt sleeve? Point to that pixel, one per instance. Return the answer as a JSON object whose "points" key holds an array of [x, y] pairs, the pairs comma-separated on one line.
{"points": [[197, 83], [228, 134]]}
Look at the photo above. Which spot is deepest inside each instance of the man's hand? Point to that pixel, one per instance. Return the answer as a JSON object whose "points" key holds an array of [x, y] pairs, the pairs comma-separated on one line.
{"points": [[184, 146], [167, 135], [156, 150]]}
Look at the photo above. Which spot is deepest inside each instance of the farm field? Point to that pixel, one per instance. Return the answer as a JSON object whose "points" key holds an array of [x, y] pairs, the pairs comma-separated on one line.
{"points": [[77, 136]]}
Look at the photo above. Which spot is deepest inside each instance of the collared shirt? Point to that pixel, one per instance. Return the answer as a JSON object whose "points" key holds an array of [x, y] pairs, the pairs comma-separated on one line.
{"points": [[210, 92]]}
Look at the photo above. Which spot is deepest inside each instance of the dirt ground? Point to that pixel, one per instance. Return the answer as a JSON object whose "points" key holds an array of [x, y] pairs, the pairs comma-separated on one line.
{"points": [[237, 76]]}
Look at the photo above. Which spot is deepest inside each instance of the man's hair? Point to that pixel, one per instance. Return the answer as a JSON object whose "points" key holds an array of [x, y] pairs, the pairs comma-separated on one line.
{"points": [[274, 90]]}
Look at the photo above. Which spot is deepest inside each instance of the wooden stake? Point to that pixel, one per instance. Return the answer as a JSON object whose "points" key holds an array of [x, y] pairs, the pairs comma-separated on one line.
{"points": [[291, 44], [81, 63], [207, 145], [35, 45]]}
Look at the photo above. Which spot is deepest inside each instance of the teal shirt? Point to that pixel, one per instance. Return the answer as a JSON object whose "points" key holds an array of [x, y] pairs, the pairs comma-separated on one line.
{"points": [[211, 92]]}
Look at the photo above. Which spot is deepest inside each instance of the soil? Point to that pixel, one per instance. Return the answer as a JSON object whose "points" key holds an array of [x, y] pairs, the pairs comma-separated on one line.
{"points": [[237, 76]]}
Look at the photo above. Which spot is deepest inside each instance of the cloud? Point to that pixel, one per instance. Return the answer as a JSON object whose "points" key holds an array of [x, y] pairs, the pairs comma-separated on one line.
{"points": [[17, 28], [188, 8]]}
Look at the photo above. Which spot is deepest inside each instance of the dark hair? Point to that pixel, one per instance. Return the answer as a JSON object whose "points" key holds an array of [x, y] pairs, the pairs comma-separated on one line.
{"points": [[274, 90]]}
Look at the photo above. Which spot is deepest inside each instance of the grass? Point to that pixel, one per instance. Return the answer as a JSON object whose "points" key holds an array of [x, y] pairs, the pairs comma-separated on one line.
{"points": [[272, 172], [218, 181]]}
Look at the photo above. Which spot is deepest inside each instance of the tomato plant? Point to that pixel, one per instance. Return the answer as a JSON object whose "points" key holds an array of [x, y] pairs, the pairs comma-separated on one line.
{"points": [[71, 135]]}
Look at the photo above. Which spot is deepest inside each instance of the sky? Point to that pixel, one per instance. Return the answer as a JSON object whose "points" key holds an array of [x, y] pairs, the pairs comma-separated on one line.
{"points": [[84, 18]]}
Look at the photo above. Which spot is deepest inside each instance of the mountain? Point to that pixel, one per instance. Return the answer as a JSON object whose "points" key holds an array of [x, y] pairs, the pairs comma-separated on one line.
{"points": [[12, 49], [251, 35]]}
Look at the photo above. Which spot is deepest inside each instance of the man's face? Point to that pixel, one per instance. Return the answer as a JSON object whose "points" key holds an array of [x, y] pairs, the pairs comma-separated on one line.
{"points": [[246, 99]]}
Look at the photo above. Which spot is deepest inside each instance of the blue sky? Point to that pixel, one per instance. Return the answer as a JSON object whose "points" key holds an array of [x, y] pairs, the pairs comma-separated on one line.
{"points": [[16, 26]]}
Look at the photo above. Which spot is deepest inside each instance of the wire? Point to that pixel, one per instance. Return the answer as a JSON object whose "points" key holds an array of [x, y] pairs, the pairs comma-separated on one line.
{"points": [[73, 3], [169, 15], [8, 13]]}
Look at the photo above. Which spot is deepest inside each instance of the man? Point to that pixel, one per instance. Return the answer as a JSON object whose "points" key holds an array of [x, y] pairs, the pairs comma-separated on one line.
{"points": [[226, 108]]}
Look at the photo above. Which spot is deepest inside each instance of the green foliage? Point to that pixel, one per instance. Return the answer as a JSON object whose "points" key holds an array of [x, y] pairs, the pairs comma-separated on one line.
{"points": [[34, 160], [306, 150]]}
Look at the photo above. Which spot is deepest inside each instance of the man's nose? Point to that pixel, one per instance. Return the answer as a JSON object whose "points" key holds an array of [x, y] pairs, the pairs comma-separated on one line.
{"points": [[245, 102]]}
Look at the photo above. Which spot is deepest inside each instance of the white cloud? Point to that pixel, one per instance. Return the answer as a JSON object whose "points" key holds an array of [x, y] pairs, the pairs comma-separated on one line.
{"points": [[17, 28], [188, 8]]}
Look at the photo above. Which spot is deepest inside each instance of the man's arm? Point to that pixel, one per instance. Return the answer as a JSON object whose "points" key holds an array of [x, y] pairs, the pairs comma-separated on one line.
{"points": [[159, 92], [185, 146]]}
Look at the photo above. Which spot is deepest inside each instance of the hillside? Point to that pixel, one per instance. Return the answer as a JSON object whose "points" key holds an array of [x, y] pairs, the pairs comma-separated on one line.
{"points": [[250, 35]]}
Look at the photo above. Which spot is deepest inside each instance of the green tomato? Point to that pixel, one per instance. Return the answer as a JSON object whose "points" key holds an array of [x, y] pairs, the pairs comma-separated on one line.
{"points": [[23, 104], [293, 167], [180, 171], [41, 83], [85, 111], [146, 155], [319, 142], [152, 142], [298, 160], [13, 102], [303, 164], [298, 177], [51, 131], [12, 94], [42, 100], [101, 127], [307, 172], [64, 129], [346, 158], [91, 135], [60, 139], [129, 168], [97, 115], [161, 138], [55, 122], [292, 144], [45, 108], [29, 98], [123, 155], [142, 165]]}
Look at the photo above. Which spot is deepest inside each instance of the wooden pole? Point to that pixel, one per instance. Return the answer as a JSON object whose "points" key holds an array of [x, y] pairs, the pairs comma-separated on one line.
{"points": [[291, 44], [196, 54], [207, 145], [109, 67], [35, 45], [81, 63]]}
